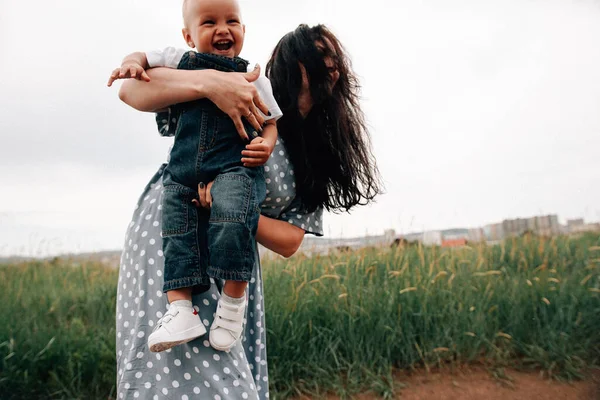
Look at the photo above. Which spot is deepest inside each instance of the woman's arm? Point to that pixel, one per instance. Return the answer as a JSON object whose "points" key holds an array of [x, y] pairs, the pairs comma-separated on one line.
{"points": [[279, 236], [232, 92]]}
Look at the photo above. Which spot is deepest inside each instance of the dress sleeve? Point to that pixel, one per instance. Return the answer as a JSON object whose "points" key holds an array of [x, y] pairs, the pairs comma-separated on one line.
{"points": [[166, 121], [296, 214]]}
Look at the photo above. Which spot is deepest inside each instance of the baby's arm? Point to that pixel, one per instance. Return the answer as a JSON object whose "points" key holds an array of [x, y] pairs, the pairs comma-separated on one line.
{"points": [[133, 66], [259, 150]]}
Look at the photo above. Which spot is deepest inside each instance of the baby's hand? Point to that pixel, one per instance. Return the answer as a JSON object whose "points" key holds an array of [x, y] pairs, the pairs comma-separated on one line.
{"points": [[257, 152], [129, 69]]}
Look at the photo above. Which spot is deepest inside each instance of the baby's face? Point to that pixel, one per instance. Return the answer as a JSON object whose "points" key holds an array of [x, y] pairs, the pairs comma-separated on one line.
{"points": [[214, 26]]}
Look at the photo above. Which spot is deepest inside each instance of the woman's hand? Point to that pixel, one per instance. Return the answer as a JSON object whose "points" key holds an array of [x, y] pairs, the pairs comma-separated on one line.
{"points": [[237, 97], [204, 195]]}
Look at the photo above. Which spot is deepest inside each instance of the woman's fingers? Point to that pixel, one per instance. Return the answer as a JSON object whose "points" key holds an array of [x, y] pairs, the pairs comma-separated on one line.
{"points": [[208, 194], [262, 106], [202, 195], [239, 126], [251, 117]]}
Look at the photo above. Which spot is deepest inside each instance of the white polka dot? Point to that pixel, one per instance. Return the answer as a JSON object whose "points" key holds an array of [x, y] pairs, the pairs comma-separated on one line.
{"points": [[226, 370], [158, 272], [127, 386], [188, 355], [175, 384], [158, 356], [128, 366], [215, 378], [205, 363], [145, 233], [136, 395], [126, 324], [205, 322], [217, 397], [160, 253], [216, 357], [141, 334], [151, 262], [149, 364], [147, 385], [150, 302], [138, 375], [195, 349], [177, 362], [159, 293], [206, 384], [245, 395], [197, 369], [196, 390], [236, 383], [206, 302], [140, 355], [166, 370], [165, 391], [187, 376], [184, 397]]}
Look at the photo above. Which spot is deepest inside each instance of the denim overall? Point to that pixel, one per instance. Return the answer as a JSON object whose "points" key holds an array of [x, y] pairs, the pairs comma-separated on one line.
{"points": [[198, 244]]}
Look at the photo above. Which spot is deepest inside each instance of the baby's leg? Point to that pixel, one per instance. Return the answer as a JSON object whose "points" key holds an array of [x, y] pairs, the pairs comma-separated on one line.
{"points": [[233, 223], [180, 323]]}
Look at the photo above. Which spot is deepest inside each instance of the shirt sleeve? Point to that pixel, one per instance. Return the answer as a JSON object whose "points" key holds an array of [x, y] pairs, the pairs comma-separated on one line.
{"points": [[311, 222], [265, 91], [168, 57]]}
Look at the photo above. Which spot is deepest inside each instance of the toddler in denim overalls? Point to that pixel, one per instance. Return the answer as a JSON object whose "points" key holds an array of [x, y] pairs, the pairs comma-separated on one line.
{"points": [[208, 148]]}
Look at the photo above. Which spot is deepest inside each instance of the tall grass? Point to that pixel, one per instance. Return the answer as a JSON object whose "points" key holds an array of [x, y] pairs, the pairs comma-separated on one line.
{"points": [[342, 322]]}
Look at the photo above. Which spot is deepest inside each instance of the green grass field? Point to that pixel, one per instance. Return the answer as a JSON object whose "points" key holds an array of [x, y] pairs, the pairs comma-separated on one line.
{"points": [[338, 323]]}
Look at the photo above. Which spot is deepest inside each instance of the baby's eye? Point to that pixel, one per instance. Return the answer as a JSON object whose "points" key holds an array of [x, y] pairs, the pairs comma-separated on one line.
{"points": [[233, 21], [208, 22]]}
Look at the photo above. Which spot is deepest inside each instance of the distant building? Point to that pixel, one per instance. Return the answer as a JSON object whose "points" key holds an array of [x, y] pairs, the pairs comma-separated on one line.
{"points": [[432, 238], [494, 232], [476, 235], [454, 242]]}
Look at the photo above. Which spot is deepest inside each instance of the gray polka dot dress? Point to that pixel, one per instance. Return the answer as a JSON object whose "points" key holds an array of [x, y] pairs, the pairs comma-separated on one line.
{"points": [[193, 370]]}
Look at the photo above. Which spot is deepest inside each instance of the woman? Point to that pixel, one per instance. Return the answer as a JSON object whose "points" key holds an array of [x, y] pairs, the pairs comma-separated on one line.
{"points": [[322, 160]]}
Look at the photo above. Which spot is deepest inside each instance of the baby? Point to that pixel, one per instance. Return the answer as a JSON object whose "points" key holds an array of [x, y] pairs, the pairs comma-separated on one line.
{"points": [[207, 148]]}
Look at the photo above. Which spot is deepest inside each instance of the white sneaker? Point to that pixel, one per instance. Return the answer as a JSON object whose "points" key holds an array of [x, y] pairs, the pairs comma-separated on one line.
{"points": [[179, 325], [227, 327]]}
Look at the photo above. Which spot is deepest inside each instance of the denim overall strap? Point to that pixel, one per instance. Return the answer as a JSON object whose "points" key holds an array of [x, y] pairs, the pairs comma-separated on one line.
{"points": [[194, 60]]}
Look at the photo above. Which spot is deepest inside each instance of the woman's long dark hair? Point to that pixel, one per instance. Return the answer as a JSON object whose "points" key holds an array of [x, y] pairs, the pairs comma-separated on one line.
{"points": [[330, 148]]}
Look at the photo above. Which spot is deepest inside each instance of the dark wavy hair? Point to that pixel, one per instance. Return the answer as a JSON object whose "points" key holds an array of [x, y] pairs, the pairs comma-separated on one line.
{"points": [[329, 148]]}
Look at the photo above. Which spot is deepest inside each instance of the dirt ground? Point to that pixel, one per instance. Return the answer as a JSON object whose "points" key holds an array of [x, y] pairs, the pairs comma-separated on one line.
{"points": [[479, 384]]}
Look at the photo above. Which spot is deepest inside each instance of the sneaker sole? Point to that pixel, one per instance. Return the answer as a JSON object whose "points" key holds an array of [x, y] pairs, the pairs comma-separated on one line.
{"points": [[225, 349], [156, 346]]}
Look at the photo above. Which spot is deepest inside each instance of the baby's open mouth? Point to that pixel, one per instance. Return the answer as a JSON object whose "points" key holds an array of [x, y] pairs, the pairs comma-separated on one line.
{"points": [[223, 45]]}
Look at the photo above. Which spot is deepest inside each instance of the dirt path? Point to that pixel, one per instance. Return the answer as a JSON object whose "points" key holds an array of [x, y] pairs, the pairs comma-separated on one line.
{"points": [[478, 384]]}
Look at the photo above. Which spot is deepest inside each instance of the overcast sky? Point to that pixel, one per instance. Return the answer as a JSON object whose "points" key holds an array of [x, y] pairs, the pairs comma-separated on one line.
{"points": [[479, 111]]}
